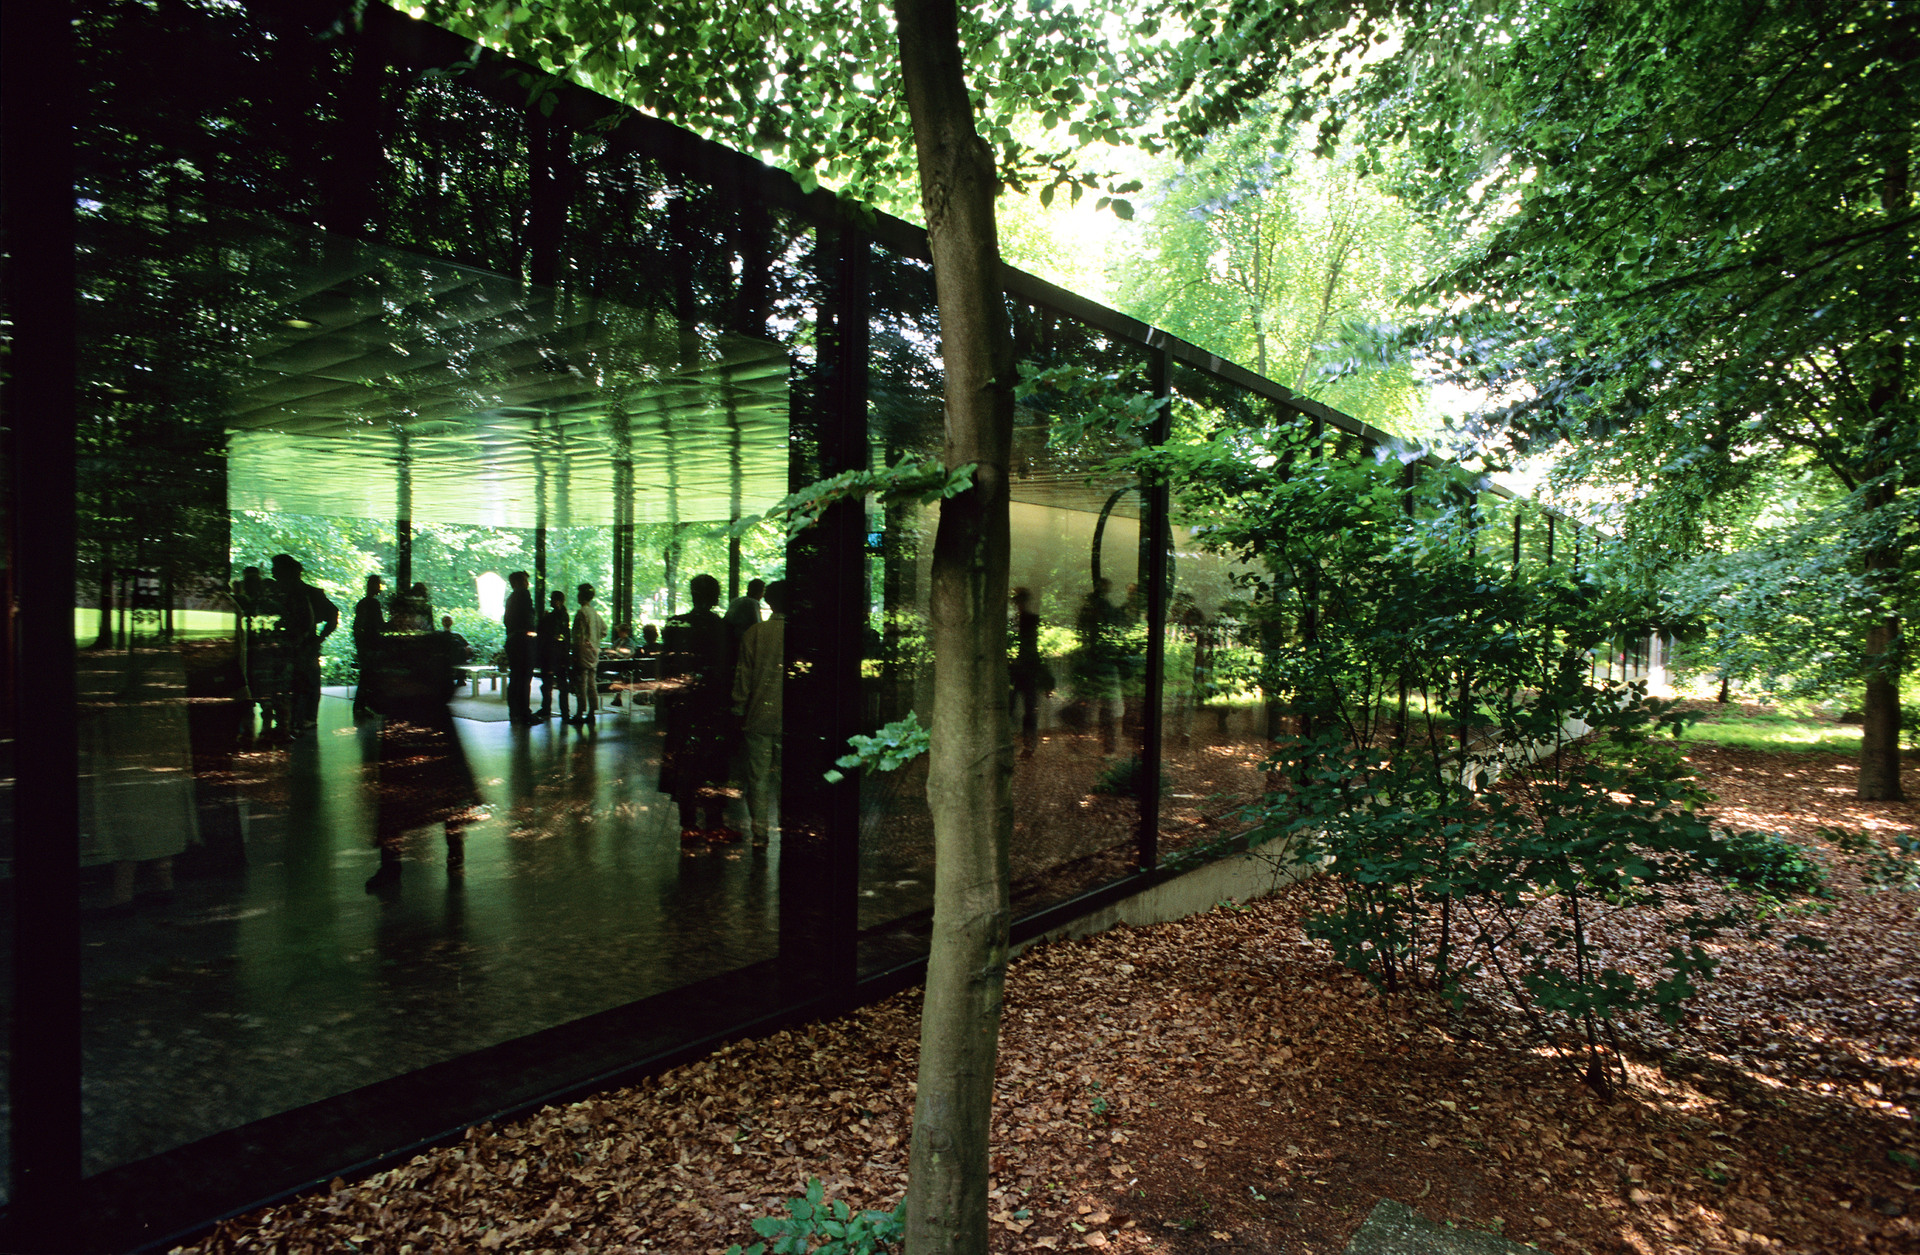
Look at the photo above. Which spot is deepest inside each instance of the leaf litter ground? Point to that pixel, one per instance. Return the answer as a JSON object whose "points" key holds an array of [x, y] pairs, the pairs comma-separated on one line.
{"points": [[1217, 1084]]}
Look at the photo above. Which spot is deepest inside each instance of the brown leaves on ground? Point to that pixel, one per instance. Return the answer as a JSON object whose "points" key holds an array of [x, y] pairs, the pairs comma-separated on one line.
{"points": [[1217, 1084]]}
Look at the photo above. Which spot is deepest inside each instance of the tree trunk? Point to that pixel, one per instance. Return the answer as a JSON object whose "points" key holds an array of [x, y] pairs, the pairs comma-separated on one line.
{"points": [[1880, 716], [1880, 709], [970, 775]]}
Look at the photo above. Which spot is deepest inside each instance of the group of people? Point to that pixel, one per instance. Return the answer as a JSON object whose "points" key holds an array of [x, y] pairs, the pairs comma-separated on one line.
{"points": [[405, 664], [720, 675], [284, 620], [719, 696]]}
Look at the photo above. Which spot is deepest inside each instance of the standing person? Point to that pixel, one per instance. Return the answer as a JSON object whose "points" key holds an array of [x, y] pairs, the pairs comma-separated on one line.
{"points": [[263, 659], [759, 687], [556, 656], [588, 628], [745, 611], [1030, 675], [741, 615], [523, 645], [422, 777], [369, 625], [1096, 665], [307, 619], [699, 737]]}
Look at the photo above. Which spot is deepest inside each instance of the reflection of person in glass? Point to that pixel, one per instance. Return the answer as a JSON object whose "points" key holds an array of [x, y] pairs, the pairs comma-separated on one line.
{"points": [[741, 615], [369, 625], [556, 656], [422, 779], [1097, 664], [759, 685], [307, 619], [523, 642], [699, 733], [1030, 675], [588, 629], [263, 662]]}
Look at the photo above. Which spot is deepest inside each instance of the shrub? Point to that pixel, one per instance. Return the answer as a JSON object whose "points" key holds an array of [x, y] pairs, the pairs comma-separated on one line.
{"points": [[1769, 866], [836, 1228]]}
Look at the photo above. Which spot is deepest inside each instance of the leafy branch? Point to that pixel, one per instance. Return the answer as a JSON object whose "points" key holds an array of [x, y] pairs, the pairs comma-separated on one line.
{"points": [[1080, 403], [892, 747], [912, 482]]}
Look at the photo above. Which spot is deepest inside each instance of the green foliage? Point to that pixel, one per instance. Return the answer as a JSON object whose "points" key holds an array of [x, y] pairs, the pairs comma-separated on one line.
{"points": [[1080, 403], [1477, 795], [907, 482], [1881, 868], [1635, 286], [894, 746], [812, 1224], [1775, 732], [1774, 606], [1264, 252], [817, 89], [1770, 866], [1896, 869]]}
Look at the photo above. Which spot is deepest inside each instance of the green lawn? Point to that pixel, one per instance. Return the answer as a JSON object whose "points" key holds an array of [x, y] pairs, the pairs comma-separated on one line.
{"points": [[86, 623], [1776, 732]]}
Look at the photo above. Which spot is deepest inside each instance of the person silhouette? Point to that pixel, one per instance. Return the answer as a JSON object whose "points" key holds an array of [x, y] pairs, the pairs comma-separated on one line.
{"points": [[588, 630], [1029, 674], [307, 618], [523, 643], [556, 656], [759, 687], [422, 778], [369, 626], [699, 734]]}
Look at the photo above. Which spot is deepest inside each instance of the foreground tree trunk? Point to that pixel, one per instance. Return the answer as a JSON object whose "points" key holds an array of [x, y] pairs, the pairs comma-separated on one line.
{"points": [[969, 782]]}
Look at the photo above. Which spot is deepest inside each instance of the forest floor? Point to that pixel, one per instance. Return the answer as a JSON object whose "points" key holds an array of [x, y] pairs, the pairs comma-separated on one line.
{"points": [[1218, 1084]]}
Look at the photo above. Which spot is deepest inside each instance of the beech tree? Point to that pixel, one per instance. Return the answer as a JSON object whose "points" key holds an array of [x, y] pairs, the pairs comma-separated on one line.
{"points": [[1265, 252], [1686, 243]]}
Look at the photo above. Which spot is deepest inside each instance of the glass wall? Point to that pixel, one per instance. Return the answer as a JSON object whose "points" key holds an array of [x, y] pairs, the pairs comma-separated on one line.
{"points": [[397, 328], [1219, 718], [363, 336], [1077, 622]]}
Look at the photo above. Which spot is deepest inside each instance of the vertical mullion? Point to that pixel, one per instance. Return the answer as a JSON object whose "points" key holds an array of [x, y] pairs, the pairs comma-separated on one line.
{"points": [[38, 79], [1159, 525], [827, 605]]}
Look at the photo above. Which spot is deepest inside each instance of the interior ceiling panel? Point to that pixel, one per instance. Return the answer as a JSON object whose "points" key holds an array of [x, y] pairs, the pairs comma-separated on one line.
{"points": [[371, 373], [364, 375]]}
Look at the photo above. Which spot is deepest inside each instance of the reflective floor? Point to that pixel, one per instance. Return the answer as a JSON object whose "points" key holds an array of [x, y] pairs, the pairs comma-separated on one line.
{"points": [[273, 977]]}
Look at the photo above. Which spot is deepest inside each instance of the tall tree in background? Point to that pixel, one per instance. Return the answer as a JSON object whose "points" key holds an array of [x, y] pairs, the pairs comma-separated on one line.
{"points": [[1687, 242], [1265, 251]]}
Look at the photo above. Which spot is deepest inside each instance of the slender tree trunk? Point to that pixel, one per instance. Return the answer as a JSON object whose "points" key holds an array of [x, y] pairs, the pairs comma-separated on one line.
{"points": [[970, 773], [1880, 708]]}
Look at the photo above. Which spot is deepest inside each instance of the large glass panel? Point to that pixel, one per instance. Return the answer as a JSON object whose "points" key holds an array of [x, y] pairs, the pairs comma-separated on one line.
{"points": [[433, 343], [1218, 720], [1076, 630]]}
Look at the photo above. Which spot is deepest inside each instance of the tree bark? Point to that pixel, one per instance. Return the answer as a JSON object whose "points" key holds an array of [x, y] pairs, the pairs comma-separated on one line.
{"points": [[969, 783], [1888, 401]]}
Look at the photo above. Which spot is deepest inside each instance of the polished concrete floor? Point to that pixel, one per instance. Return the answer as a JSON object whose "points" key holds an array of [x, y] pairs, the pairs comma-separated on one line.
{"points": [[273, 977]]}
